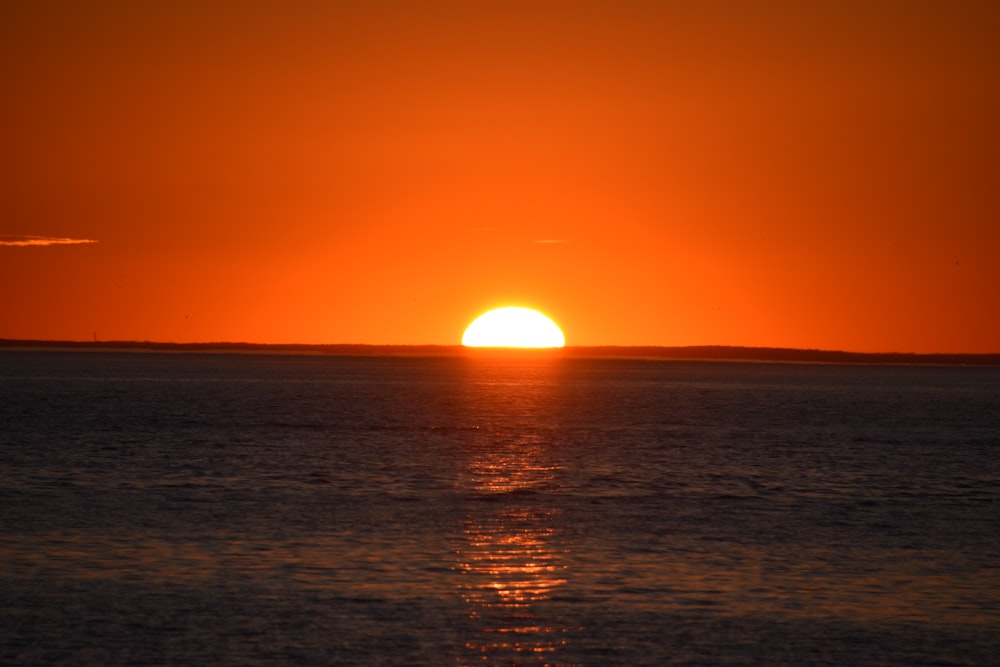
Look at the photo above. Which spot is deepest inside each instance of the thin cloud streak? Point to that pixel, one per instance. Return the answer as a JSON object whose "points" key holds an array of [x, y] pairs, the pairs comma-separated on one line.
{"points": [[21, 241], [550, 241]]}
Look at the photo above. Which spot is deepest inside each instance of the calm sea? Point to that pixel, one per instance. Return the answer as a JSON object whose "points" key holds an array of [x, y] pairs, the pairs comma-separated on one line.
{"points": [[200, 509]]}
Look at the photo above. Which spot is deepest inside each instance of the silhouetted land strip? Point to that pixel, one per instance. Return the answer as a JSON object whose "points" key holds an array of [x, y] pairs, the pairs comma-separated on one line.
{"points": [[789, 355], [692, 353]]}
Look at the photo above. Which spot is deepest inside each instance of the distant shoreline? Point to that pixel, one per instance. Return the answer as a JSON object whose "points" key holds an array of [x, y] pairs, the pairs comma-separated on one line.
{"points": [[677, 353]]}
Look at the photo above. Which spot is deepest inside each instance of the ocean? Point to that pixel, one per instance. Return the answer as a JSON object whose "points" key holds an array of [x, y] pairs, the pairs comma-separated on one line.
{"points": [[253, 509]]}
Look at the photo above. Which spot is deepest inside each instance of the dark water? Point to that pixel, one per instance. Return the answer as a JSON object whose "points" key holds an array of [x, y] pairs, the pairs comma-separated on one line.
{"points": [[166, 509]]}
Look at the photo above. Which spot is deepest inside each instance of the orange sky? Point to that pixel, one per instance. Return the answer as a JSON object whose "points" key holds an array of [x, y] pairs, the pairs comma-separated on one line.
{"points": [[822, 175]]}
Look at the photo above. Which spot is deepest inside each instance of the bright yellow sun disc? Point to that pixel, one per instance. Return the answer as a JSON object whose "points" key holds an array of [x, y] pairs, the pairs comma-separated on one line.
{"points": [[513, 327]]}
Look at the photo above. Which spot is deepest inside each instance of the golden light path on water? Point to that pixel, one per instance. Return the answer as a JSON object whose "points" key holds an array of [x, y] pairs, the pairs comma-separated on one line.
{"points": [[509, 561]]}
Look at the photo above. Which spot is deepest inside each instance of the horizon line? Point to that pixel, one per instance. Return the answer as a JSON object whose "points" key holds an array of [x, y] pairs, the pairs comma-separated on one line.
{"points": [[712, 352]]}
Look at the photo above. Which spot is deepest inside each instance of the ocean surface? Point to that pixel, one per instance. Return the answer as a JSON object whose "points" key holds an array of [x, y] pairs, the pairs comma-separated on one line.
{"points": [[239, 509]]}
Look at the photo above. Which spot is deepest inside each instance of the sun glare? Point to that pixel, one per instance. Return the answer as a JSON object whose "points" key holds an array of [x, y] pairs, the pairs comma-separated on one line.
{"points": [[513, 327]]}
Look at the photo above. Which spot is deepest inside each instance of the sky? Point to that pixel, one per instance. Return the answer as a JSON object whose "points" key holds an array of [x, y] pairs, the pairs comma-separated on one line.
{"points": [[785, 174]]}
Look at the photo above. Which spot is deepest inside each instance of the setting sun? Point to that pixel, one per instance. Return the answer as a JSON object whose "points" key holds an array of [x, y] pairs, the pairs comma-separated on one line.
{"points": [[513, 327]]}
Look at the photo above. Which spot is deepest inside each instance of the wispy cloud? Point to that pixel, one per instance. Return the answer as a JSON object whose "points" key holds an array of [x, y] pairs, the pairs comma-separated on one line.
{"points": [[550, 241], [40, 240]]}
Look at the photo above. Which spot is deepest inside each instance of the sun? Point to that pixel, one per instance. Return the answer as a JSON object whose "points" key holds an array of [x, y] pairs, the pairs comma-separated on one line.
{"points": [[513, 327]]}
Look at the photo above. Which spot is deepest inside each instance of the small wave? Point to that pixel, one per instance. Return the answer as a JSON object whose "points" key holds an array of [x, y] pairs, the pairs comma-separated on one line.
{"points": [[452, 428]]}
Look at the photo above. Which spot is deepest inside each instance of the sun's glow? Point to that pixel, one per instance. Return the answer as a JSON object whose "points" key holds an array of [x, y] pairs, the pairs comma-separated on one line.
{"points": [[513, 327]]}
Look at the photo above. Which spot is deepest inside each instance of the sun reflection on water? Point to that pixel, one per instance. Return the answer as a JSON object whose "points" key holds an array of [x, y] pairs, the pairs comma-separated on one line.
{"points": [[510, 562]]}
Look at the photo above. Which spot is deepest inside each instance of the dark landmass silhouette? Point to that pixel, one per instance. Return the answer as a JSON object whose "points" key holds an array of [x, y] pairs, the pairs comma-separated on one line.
{"points": [[681, 353]]}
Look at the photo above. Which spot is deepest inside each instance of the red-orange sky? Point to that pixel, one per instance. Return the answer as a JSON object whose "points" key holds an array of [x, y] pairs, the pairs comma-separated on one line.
{"points": [[801, 174]]}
